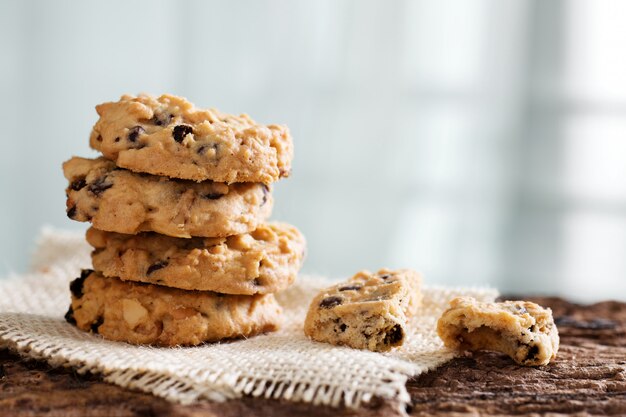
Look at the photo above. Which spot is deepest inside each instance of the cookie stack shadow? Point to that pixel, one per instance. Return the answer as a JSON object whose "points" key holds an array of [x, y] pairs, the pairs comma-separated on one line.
{"points": [[179, 201]]}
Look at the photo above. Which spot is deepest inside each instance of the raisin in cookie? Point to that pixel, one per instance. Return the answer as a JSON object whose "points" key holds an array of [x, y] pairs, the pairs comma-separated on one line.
{"points": [[523, 330], [168, 136], [260, 262], [120, 201], [150, 314], [369, 311]]}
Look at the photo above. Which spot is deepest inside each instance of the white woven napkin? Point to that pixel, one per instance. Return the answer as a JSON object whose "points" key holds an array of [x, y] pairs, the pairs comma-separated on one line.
{"points": [[284, 364]]}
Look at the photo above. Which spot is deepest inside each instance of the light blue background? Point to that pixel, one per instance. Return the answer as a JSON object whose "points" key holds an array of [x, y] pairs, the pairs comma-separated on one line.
{"points": [[480, 142]]}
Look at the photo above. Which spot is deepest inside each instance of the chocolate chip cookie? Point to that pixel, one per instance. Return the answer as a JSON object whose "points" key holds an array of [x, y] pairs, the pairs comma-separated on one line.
{"points": [[168, 136], [150, 314], [369, 311], [118, 200], [523, 330], [263, 261]]}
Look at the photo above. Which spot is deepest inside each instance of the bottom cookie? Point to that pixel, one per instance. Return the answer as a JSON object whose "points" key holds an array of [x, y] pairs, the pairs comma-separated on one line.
{"points": [[149, 314], [523, 330]]}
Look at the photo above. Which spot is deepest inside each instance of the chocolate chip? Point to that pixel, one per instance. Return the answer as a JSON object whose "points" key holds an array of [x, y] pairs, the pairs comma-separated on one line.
{"points": [[266, 192], [350, 288], [212, 195], [256, 282], [100, 185], [117, 139], [162, 119], [99, 138], [69, 316], [394, 335], [385, 276], [71, 212], [96, 324], [532, 352], [134, 133], [330, 302], [343, 327], [76, 286], [78, 184], [156, 266], [181, 131]]}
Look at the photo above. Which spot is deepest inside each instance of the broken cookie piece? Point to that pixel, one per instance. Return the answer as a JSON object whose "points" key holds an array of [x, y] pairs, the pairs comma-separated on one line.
{"points": [[523, 330], [369, 311]]}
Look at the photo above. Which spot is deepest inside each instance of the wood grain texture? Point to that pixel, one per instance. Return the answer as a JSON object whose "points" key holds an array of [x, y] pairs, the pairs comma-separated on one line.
{"points": [[588, 377]]}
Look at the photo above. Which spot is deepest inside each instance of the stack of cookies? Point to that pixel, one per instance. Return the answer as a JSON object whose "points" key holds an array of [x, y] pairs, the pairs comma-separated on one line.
{"points": [[183, 253]]}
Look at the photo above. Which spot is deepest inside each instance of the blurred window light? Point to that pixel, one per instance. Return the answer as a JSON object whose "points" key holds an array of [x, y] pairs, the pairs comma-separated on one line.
{"points": [[451, 240], [595, 158], [593, 139], [595, 62], [445, 43], [433, 146], [426, 240], [593, 258]]}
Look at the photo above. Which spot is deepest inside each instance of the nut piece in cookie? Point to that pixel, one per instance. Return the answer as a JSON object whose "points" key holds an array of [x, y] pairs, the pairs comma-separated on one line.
{"points": [[523, 330], [369, 311], [155, 315]]}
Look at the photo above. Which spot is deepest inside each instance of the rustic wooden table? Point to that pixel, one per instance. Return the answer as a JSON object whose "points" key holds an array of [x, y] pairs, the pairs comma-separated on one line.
{"points": [[588, 378]]}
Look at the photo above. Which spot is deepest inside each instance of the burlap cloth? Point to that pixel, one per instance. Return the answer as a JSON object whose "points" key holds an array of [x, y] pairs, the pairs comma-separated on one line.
{"points": [[284, 364]]}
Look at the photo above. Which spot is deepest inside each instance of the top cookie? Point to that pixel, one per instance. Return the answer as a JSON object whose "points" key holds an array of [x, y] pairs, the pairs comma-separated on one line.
{"points": [[168, 136]]}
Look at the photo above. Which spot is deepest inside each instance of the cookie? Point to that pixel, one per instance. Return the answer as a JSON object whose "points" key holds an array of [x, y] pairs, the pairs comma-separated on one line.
{"points": [[264, 261], [168, 136], [118, 200], [369, 311], [523, 330], [150, 314]]}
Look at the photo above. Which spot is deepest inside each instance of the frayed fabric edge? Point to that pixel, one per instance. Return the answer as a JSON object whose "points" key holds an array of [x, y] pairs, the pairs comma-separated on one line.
{"points": [[217, 388]]}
